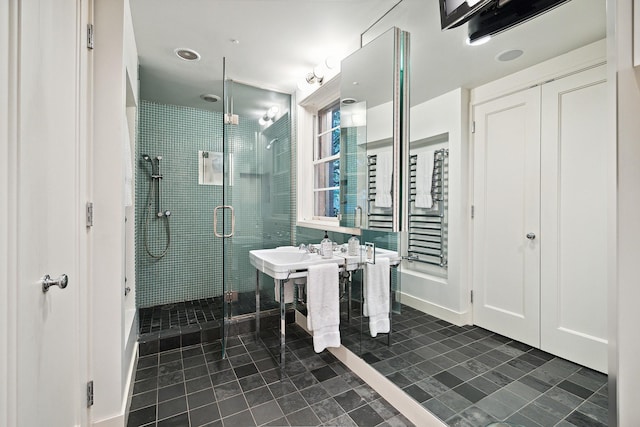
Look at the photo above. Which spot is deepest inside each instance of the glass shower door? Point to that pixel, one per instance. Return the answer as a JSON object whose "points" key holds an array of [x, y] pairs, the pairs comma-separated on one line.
{"points": [[255, 212], [229, 290]]}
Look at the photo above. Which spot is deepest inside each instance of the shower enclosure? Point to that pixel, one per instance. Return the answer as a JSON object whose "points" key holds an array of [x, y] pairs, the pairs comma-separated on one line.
{"points": [[226, 179]]}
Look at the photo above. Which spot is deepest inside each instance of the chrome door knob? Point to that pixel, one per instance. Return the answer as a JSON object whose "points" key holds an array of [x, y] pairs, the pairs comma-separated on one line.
{"points": [[60, 282], [531, 236]]}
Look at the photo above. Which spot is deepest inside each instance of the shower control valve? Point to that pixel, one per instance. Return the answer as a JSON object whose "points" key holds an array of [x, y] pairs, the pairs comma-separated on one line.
{"points": [[167, 213]]}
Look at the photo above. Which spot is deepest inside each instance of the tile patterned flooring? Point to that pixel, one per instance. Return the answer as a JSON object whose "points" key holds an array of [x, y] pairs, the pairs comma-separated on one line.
{"points": [[471, 377], [193, 386], [467, 376], [201, 311]]}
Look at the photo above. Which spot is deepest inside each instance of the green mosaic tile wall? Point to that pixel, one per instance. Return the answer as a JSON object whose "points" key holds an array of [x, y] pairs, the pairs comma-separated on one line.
{"points": [[192, 268]]}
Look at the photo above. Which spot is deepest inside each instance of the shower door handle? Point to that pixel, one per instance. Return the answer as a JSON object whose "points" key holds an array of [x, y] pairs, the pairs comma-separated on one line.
{"points": [[215, 221]]}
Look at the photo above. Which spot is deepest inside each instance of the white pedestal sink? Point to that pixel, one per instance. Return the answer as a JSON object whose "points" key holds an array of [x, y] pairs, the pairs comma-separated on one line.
{"points": [[287, 262]]}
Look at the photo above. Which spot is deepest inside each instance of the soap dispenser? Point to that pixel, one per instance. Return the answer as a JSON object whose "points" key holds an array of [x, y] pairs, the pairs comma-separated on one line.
{"points": [[326, 246], [353, 245]]}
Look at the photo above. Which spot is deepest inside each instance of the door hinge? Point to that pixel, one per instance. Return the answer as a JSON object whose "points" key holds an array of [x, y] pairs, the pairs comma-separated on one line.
{"points": [[472, 296], [473, 126], [89, 214], [90, 393], [473, 211], [89, 36], [231, 119]]}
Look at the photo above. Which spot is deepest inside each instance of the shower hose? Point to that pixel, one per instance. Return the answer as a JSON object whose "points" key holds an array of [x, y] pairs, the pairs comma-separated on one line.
{"points": [[146, 225]]}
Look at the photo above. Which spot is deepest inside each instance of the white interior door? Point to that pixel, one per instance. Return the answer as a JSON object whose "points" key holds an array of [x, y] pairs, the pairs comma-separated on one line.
{"points": [[506, 264], [573, 218], [50, 379]]}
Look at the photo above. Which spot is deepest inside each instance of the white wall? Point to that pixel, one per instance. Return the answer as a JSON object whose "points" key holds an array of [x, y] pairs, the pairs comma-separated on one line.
{"points": [[7, 233], [447, 297], [113, 346], [625, 294]]}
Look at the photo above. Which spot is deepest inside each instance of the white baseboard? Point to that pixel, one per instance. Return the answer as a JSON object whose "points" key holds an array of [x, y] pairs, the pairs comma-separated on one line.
{"points": [[406, 405], [455, 317], [120, 420]]}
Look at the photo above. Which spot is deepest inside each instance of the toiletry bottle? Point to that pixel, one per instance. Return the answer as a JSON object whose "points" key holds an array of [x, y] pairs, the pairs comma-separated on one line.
{"points": [[354, 244], [326, 246]]}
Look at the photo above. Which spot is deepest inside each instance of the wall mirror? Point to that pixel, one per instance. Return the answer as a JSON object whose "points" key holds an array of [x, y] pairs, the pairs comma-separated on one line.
{"points": [[431, 339], [373, 91]]}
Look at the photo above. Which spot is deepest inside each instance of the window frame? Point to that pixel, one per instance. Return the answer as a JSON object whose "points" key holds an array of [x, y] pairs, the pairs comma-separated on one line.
{"points": [[318, 134]]}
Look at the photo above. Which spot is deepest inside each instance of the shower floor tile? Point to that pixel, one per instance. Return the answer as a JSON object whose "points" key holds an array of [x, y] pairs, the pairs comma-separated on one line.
{"points": [[182, 324]]}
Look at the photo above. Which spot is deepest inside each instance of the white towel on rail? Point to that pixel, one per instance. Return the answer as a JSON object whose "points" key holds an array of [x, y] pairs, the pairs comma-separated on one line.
{"points": [[424, 179], [384, 170], [376, 296], [323, 306]]}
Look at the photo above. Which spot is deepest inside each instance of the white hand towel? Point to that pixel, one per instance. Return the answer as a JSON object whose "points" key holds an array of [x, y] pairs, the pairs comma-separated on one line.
{"points": [[376, 296], [424, 178], [288, 291], [323, 306], [384, 170]]}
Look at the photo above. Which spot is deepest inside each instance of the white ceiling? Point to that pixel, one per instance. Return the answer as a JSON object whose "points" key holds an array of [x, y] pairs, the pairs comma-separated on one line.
{"points": [[282, 40]]}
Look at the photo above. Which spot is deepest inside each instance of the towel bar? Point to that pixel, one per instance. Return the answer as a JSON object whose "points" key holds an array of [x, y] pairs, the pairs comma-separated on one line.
{"points": [[427, 227]]}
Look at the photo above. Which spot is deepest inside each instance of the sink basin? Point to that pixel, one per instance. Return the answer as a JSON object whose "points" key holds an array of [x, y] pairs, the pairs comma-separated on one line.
{"points": [[283, 263], [279, 257]]}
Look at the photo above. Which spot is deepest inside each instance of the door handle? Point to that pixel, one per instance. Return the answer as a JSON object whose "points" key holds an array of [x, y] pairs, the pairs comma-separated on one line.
{"points": [[60, 282], [531, 236], [215, 222]]}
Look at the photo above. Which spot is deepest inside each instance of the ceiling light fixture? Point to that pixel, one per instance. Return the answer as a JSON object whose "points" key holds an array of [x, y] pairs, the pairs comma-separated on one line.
{"points": [[209, 97], [269, 117], [509, 55], [187, 54], [319, 72]]}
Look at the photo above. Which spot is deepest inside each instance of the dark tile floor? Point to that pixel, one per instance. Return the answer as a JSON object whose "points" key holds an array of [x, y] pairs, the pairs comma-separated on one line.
{"points": [[193, 386], [469, 376]]}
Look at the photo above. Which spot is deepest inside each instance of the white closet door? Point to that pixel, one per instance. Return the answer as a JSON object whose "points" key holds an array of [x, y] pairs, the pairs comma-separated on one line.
{"points": [[506, 266], [50, 130], [573, 218]]}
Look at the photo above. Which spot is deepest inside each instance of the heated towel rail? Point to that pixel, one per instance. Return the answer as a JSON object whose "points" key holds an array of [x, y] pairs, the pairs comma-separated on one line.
{"points": [[428, 227], [379, 218]]}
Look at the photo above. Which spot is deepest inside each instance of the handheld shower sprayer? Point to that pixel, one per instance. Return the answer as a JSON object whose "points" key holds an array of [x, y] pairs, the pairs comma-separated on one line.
{"points": [[268, 147], [156, 177]]}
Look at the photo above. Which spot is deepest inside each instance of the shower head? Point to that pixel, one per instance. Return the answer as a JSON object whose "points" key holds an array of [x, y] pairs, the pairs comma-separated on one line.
{"points": [[268, 147], [146, 157]]}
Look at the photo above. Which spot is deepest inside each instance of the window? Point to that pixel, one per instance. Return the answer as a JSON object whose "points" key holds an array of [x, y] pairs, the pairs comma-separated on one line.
{"points": [[326, 163]]}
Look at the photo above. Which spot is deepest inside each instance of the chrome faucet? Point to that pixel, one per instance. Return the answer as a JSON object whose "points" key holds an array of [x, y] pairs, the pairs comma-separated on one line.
{"points": [[310, 249]]}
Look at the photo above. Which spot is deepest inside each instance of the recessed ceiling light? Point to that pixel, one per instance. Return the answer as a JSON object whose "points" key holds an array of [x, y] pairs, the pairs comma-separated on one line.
{"points": [[509, 55], [187, 54], [209, 97], [234, 41], [348, 101]]}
